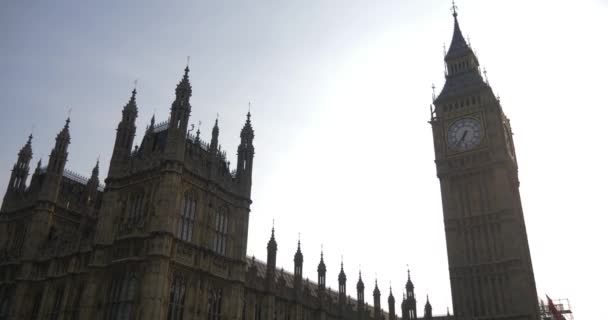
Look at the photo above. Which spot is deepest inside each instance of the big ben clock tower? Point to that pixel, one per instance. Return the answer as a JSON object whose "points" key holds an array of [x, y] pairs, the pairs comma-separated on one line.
{"points": [[489, 259]]}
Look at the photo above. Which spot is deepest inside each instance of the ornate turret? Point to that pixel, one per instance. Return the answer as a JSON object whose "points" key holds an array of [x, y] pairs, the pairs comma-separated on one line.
{"points": [[92, 185], [360, 294], [58, 157], [214, 136], [298, 261], [125, 133], [391, 305], [321, 272], [409, 286], [271, 259], [342, 284], [57, 161], [178, 122], [377, 308], [410, 300], [21, 168], [197, 139], [428, 310], [245, 155], [20, 172]]}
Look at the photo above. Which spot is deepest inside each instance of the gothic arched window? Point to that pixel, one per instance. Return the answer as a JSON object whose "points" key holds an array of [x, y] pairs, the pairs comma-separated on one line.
{"points": [[220, 229], [36, 305], [186, 218], [136, 209], [177, 298], [75, 304], [6, 293], [56, 307], [121, 297], [215, 304], [257, 311]]}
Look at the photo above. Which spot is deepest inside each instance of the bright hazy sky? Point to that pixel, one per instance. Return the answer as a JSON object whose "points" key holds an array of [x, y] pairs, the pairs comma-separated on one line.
{"points": [[340, 94]]}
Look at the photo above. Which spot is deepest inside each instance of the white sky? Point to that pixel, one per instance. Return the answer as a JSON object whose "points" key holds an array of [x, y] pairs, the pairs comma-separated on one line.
{"points": [[340, 94]]}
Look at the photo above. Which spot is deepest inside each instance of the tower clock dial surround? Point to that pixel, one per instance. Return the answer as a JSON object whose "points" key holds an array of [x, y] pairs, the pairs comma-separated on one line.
{"points": [[464, 134]]}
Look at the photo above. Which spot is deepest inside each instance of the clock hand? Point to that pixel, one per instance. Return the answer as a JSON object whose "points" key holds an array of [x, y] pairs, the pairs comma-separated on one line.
{"points": [[463, 136]]}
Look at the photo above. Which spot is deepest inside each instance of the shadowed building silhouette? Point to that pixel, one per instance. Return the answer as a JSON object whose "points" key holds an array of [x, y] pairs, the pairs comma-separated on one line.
{"points": [[166, 237]]}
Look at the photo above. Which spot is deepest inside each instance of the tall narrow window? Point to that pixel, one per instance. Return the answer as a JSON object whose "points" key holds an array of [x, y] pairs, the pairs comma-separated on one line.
{"points": [[215, 304], [121, 297], [5, 301], [186, 218], [220, 230], [36, 306], [136, 209], [177, 298], [258, 312], [75, 305], [56, 307]]}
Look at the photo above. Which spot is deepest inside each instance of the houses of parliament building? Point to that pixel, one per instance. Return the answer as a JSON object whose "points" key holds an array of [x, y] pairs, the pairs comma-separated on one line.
{"points": [[166, 236]]}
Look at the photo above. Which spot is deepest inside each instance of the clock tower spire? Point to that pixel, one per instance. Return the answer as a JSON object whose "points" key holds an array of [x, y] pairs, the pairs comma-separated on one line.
{"points": [[489, 259]]}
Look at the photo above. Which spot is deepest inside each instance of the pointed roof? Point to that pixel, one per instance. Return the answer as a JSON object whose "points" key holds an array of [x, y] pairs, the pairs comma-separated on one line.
{"points": [[272, 243], [360, 285], [184, 89], [298, 257], [26, 150], [465, 81], [391, 298], [409, 285], [247, 131], [342, 275], [376, 290], [131, 106], [95, 172], [321, 268], [152, 123], [197, 139], [216, 127], [64, 134], [458, 46]]}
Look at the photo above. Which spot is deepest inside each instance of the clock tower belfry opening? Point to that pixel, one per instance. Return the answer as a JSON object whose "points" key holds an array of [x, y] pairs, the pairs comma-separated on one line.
{"points": [[489, 259]]}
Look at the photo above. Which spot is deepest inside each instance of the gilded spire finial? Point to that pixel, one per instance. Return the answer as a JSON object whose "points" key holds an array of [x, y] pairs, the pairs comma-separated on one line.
{"points": [[249, 112], [454, 9]]}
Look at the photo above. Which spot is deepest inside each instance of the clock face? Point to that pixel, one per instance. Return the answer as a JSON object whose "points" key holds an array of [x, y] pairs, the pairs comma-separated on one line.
{"points": [[464, 134]]}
